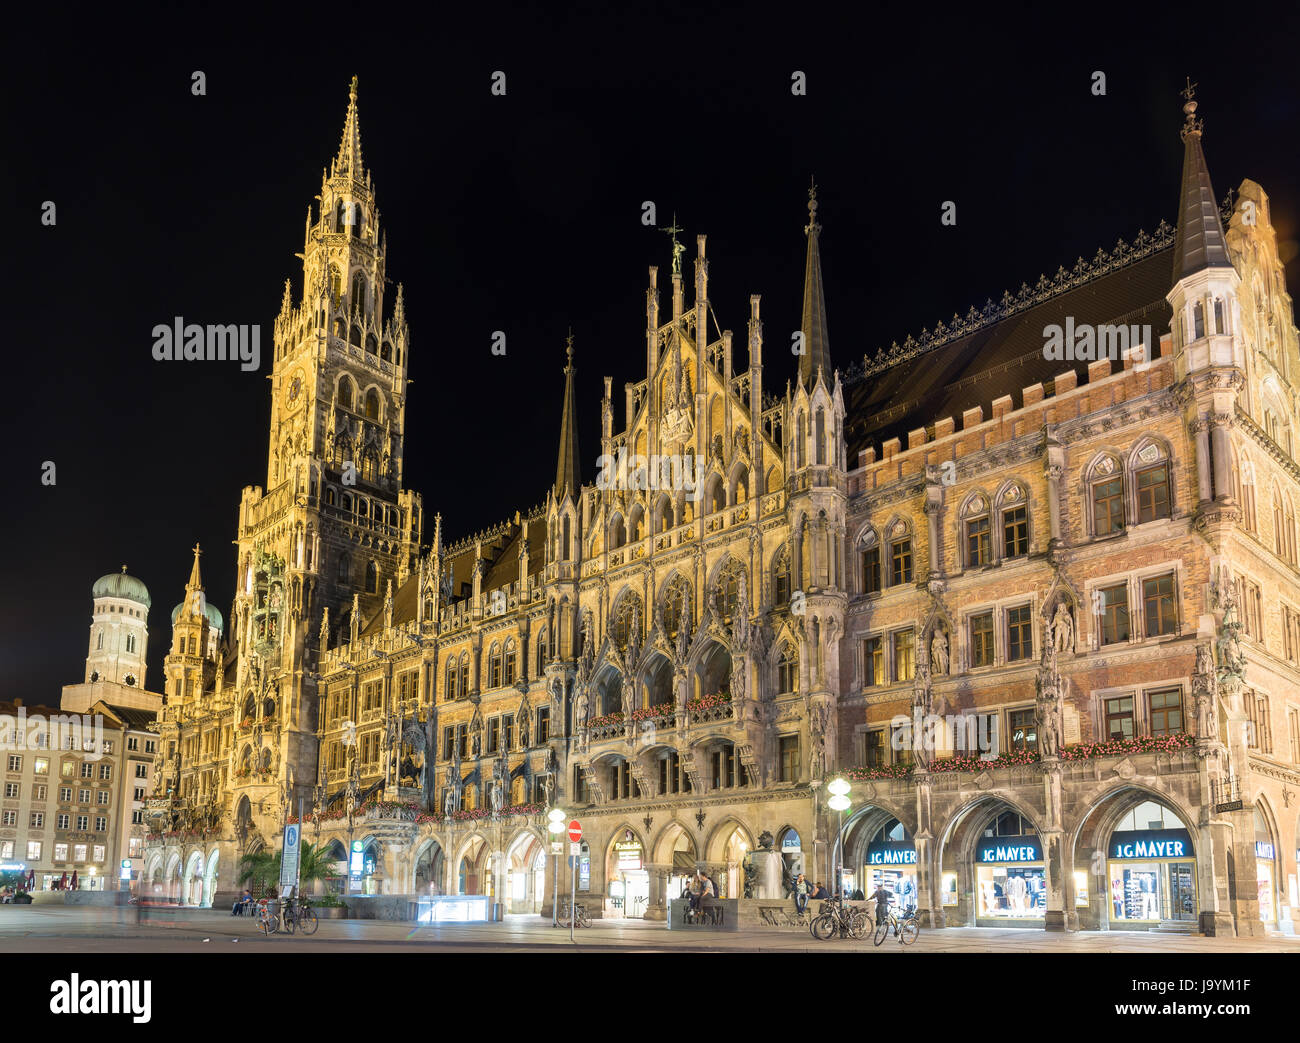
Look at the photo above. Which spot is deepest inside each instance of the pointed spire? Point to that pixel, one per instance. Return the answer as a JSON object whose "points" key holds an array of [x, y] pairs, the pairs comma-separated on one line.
{"points": [[566, 468], [348, 160], [817, 354], [196, 581], [1200, 242]]}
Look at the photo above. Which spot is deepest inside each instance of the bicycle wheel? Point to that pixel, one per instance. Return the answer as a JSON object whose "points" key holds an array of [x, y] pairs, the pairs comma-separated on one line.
{"points": [[583, 919], [823, 927], [908, 932], [308, 921], [289, 922], [882, 930], [264, 922], [858, 924]]}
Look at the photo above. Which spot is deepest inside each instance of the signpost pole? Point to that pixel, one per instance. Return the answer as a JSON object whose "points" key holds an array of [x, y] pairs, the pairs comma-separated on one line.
{"points": [[573, 892], [297, 883]]}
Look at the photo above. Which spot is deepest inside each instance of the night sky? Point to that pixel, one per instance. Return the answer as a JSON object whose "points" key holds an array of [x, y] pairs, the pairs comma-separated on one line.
{"points": [[523, 214]]}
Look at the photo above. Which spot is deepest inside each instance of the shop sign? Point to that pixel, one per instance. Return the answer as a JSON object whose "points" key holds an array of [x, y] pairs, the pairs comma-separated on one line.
{"points": [[584, 867], [1232, 805], [1009, 849], [1151, 843], [790, 844], [891, 853], [1264, 851], [629, 854]]}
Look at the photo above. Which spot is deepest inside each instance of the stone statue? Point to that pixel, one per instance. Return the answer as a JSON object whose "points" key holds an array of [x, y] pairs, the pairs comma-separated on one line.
{"points": [[548, 787], [1204, 685], [580, 708], [818, 720], [449, 800], [525, 722], [939, 652], [496, 796], [476, 743], [1062, 628]]}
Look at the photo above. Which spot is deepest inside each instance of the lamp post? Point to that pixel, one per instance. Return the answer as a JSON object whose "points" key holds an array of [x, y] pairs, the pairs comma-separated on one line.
{"points": [[839, 790], [555, 826]]}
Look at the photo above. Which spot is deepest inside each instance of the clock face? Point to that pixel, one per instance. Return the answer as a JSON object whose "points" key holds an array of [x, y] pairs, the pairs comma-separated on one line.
{"points": [[294, 394]]}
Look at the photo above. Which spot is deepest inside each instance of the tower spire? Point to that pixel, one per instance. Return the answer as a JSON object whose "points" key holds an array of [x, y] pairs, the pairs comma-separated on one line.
{"points": [[817, 355], [348, 161], [196, 581], [1200, 242], [566, 467]]}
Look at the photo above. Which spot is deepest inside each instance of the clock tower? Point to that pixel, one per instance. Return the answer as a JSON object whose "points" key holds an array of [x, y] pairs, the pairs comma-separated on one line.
{"points": [[333, 525]]}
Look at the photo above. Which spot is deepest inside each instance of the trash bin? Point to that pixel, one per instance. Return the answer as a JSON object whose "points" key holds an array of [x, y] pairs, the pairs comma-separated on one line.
{"points": [[497, 915]]}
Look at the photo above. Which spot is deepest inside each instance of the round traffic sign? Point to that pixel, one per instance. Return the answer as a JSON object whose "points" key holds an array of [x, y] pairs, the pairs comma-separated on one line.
{"points": [[575, 830]]}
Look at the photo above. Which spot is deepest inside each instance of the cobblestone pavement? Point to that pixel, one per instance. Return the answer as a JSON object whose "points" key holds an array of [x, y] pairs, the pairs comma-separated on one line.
{"points": [[89, 929]]}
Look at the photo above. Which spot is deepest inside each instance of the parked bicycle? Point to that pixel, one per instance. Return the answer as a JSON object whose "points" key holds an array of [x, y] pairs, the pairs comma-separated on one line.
{"points": [[288, 915], [579, 917], [835, 917], [905, 928]]}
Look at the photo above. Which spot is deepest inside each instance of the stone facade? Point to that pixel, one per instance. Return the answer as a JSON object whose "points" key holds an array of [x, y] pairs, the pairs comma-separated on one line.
{"points": [[758, 590]]}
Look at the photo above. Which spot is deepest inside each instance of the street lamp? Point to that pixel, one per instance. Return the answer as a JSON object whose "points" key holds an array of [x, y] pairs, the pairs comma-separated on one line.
{"points": [[839, 789], [555, 826]]}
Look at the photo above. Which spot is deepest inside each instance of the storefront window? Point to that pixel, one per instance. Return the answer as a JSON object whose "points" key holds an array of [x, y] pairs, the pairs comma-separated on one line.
{"points": [[1151, 867], [1265, 869], [1009, 873], [891, 863]]}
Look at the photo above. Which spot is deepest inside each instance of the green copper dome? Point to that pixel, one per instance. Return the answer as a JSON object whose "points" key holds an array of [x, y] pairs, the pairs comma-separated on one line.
{"points": [[120, 585], [210, 610]]}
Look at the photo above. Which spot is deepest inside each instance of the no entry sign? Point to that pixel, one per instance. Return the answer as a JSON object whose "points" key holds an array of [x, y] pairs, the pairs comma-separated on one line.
{"points": [[575, 830]]}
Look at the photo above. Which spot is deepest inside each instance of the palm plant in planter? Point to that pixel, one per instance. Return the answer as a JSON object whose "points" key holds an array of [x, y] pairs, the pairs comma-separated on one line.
{"points": [[261, 869]]}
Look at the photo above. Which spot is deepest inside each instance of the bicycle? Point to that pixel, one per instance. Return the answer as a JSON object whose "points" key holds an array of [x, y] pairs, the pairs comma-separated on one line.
{"points": [[835, 917], [298, 911], [905, 928], [567, 916]]}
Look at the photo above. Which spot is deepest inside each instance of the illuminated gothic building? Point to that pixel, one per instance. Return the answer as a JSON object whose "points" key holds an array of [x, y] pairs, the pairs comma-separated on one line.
{"points": [[1089, 565]]}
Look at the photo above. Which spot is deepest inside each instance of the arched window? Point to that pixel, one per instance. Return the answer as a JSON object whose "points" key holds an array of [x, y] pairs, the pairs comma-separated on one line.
{"points": [[372, 404], [372, 345], [820, 436], [781, 578], [1106, 485], [342, 216], [354, 337], [1151, 481], [494, 667], [509, 660], [345, 569], [130, 642], [190, 646], [345, 392], [99, 640], [727, 589], [462, 683], [621, 621], [1245, 482], [800, 440], [1218, 316], [386, 351], [663, 515], [787, 670], [676, 594], [714, 494], [541, 652], [359, 289], [1013, 505], [617, 533], [1198, 321], [428, 608], [636, 523], [566, 552], [372, 577], [449, 687], [329, 496], [977, 532], [900, 554]]}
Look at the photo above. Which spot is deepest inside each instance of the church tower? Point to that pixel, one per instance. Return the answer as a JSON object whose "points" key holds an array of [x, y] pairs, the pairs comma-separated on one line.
{"points": [[333, 526], [119, 635], [815, 460]]}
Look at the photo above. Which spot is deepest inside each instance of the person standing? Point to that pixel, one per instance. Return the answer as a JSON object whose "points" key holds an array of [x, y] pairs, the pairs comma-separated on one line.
{"points": [[882, 897]]}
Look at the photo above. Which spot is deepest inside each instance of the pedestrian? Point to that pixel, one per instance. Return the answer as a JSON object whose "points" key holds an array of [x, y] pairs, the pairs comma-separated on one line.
{"points": [[800, 894], [242, 903], [697, 891], [820, 892], [882, 897]]}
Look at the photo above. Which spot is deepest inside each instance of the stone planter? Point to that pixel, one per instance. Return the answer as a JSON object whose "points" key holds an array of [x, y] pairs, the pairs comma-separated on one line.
{"points": [[330, 912]]}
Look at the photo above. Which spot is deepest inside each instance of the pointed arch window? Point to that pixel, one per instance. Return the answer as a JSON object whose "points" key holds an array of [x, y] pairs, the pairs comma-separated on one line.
{"points": [[462, 683], [372, 577], [781, 578], [99, 640], [1198, 321], [359, 293], [869, 562], [1107, 488], [617, 533], [345, 392], [494, 667], [449, 687], [354, 337], [900, 555], [372, 404], [820, 438], [800, 437], [977, 526], [509, 659], [787, 670], [1014, 506], [130, 642], [1153, 491], [1218, 316]]}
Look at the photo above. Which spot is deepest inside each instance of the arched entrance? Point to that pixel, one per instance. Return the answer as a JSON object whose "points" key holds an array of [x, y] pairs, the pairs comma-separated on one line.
{"points": [[726, 851], [991, 856], [526, 866], [628, 876], [430, 869], [210, 879], [472, 873], [790, 844], [192, 880], [879, 851], [1135, 865]]}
